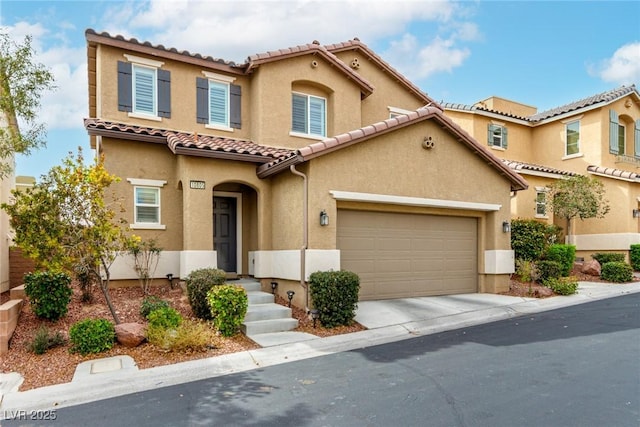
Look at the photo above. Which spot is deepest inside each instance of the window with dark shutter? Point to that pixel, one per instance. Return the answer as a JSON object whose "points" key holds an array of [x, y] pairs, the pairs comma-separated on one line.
{"points": [[613, 132], [202, 100], [235, 109], [164, 93]]}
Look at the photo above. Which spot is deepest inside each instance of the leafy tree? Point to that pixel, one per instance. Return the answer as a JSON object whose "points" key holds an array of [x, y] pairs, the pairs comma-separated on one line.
{"points": [[578, 197], [22, 82], [65, 222]]}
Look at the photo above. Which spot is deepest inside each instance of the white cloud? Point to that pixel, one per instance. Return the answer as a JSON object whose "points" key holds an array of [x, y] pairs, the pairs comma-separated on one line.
{"points": [[622, 68], [233, 30]]}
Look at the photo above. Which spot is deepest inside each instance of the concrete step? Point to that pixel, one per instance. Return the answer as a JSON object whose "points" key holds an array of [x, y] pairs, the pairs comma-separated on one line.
{"points": [[248, 285], [257, 297], [266, 312], [268, 326]]}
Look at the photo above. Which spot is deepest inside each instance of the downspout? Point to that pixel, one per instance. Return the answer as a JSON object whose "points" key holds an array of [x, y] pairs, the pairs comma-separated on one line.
{"points": [[305, 234]]}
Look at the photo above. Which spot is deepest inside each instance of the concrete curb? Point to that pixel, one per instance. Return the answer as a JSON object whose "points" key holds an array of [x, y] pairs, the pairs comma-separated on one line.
{"points": [[106, 386]]}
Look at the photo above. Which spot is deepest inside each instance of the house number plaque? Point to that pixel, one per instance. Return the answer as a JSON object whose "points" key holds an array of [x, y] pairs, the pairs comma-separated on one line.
{"points": [[198, 185]]}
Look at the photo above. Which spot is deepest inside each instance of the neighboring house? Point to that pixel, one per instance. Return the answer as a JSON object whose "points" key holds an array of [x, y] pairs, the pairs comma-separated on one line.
{"points": [[596, 136], [297, 160]]}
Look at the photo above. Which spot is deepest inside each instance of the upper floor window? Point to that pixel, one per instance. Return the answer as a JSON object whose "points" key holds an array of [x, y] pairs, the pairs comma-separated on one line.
{"points": [[218, 101], [572, 138], [146, 203], [144, 89], [308, 115], [621, 139], [497, 136]]}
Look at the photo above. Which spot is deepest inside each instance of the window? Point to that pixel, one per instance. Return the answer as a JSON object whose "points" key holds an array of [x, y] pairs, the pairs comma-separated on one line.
{"points": [[218, 102], [308, 115], [497, 136], [146, 203], [144, 89], [541, 202], [621, 139], [572, 138]]}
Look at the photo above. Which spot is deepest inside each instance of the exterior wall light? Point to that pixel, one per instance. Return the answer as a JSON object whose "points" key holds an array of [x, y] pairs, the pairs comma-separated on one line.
{"points": [[506, 227], [290, 295], [274, 285], [636, 213], [324, 218]]}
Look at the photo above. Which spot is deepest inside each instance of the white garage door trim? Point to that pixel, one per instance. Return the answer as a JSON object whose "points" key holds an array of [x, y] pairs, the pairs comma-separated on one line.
{"points": [[351, 196], [400, 255]]}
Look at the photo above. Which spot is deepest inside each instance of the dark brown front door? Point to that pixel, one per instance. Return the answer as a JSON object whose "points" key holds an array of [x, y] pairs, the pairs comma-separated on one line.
{"points": [[224, 237]]}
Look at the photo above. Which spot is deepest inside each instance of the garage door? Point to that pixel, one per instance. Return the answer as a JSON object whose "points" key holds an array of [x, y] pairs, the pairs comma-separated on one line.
{"points": [[407, 255]]}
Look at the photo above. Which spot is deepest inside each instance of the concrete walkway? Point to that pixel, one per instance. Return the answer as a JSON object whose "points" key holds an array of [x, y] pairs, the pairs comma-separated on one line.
{"points": [[387, 321]]}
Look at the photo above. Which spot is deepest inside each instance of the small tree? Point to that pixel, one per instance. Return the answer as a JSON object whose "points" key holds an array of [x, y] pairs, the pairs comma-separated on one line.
{"points": [[66, 221], [578, 197], [22, 82], [146, 255]]}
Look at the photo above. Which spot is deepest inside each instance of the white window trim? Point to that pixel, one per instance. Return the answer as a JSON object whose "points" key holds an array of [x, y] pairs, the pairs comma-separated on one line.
{"points": [[221, 78], [541, 190], [140, 114], [149, 183], [498, 147], [143, 61], [579, 153], [395, 111], [311, 135]]}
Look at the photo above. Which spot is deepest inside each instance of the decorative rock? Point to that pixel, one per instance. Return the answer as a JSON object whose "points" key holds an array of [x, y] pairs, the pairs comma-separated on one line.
{"points": [[543, 292], [592, 268], [130, 334]]}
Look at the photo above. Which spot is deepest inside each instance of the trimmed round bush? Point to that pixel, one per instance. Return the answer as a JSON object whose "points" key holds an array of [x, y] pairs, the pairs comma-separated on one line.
{"points": [[634, 255], [549, 270], [335, 296], [229, 305], [198, 284], [563, 254], [617, 272], [49, 294], [605, 257], [530, 238], [92, 336]]}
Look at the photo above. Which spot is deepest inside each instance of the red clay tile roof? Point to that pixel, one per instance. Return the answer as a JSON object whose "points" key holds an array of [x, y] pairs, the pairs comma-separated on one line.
{"points": [[524, 167], [356, 44], [614, 173], [359, 135], [190, 143], [601, 98], [314, 48]]}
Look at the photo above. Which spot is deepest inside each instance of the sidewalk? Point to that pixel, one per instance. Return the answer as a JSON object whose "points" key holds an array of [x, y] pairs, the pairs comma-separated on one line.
{"points": [[387, 321]]}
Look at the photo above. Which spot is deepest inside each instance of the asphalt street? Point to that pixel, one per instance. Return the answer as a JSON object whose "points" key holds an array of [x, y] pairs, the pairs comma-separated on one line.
{"points": [[576, 366]]}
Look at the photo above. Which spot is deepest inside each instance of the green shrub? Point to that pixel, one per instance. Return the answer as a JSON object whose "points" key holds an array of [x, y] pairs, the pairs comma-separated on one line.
{"points": [[189, 336], [530, 238], [229, 305], [92, 336], [43, 340], [562, 285], [549, 270], [605, 257], [165, 318], [49, 293], [151, 303], [335, 296], [198, 284], [564, 254], [617, 272], [634, 255]]}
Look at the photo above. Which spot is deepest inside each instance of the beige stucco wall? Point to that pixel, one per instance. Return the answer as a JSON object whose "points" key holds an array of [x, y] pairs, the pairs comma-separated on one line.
{"points": [[387, 92], [396, 164]]}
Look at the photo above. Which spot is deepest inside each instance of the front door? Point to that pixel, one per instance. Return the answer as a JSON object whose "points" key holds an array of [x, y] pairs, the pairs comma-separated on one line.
{"points": [[224, 237]]}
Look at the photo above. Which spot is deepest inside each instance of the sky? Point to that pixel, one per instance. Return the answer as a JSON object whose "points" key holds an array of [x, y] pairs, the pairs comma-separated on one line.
{"points": [[540, 53]]}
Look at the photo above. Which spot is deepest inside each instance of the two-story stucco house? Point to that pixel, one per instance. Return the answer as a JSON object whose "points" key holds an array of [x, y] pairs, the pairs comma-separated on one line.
{"points": [[597, 136], [297, 160]]}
